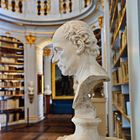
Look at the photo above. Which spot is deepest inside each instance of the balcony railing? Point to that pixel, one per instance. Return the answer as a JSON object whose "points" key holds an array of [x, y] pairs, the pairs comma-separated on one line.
{"points": [[12, 5], [44, 10]]}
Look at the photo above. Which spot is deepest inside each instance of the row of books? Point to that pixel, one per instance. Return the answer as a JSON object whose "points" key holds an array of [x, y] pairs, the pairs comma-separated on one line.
{"points": [[12, 117], [120, 14], [11, 54], [121, 127], [112, 8], [9, 39], [7, 60], [121, 101], [10, 60], [15, 45], [6, 68], [123, 39], [120, 7], [113, 2], [11, 83], [9, 104], [11, 92], [6, 76], [121, 74], [122, 45]]}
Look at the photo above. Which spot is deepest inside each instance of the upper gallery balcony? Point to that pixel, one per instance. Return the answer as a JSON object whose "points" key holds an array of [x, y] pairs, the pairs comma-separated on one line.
{"points": [[45, 11]]}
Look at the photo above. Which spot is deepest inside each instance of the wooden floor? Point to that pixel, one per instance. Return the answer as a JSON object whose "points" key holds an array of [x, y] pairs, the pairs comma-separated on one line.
{"points": [[49, 129]]}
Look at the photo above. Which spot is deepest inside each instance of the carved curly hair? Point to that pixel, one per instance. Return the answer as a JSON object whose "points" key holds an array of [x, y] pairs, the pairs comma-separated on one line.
{"points": [[79, 32]]}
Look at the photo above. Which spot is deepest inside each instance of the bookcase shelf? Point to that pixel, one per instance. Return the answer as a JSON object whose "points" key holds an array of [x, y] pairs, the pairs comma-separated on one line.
{"points": [[11, 80], [114, 11], [11, 55], [15, 79], [12, 48], [12, 110], [8, 63], [122, 112], [11, 87], [121, 53], [18, 95], [11, 40], [119, 68], [119, 84], [11, 71], [119, 26], [112, 4]]}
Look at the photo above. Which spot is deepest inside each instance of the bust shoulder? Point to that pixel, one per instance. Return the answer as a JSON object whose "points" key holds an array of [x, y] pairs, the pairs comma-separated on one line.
{"points": [[87, 87]]}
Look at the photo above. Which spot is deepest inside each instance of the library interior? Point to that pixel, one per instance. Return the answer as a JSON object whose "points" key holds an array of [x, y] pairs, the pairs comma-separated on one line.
{"points": [[69, 69]]}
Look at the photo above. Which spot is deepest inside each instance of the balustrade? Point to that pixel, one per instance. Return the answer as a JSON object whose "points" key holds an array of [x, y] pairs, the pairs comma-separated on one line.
{"points": [[43, 7], [12, 5]]}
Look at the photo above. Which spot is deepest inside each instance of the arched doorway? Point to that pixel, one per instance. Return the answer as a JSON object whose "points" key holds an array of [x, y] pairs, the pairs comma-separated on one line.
{"points": [[60, 102]]}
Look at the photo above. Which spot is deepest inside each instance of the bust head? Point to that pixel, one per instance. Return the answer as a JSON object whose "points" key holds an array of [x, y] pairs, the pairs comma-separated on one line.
{"points": [[71, 42]]}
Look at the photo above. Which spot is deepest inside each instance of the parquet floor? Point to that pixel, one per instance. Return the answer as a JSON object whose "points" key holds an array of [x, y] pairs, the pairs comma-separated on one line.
{"points": [[49, 129]]}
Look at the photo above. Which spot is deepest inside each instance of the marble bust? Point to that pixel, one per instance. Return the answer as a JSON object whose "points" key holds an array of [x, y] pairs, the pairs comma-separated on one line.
{"points": [[31, 91], [75, 50]]}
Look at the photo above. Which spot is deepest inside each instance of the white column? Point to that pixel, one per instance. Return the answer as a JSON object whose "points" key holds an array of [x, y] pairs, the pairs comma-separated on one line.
{"points": [[39, 60], [107, 64], [133, 31], [39, 70], [47, 70], [30, 75]]}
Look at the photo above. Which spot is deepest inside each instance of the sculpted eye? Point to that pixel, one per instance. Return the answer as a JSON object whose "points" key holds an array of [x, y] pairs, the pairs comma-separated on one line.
{"points": [[58, 49]]}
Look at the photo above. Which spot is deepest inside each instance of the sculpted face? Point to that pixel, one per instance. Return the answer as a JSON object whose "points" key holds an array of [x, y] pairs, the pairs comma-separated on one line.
{"points": [[65, 54]]}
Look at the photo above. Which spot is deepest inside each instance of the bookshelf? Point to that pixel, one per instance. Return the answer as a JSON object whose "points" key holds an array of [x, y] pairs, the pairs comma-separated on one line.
{"points": [[11, 81], [97, 33], [119, 69]]}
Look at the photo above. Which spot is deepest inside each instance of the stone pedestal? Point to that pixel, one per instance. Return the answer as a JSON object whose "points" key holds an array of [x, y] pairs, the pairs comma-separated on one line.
{"points": [[86, 129]]}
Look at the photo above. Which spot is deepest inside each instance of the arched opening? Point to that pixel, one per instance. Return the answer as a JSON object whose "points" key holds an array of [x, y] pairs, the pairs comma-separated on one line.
{"points": [[60, 101]]}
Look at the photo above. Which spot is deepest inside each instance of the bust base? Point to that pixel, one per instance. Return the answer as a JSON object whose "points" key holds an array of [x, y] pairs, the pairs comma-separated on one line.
{"points": [[86, 129]]}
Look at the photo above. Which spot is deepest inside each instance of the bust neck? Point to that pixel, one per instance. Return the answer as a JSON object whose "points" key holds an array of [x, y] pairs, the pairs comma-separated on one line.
{"points": [[89, 67]]}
